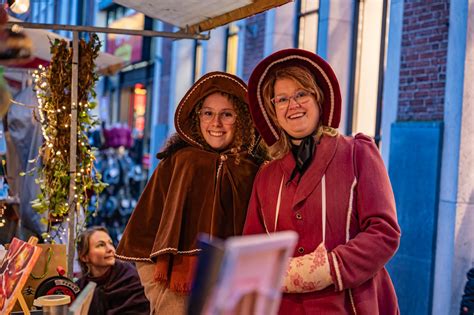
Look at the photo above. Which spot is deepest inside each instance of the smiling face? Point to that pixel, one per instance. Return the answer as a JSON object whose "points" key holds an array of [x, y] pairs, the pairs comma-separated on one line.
{"points": [[298, 120], [101, 253], [216, 129]]}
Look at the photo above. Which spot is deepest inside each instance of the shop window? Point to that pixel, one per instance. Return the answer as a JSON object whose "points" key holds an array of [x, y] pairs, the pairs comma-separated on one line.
{"points": [[125, 109], [137, 118], [128, 47], [232, 48], [197, 60], [307, 24], [368, 57], [111, 16]]}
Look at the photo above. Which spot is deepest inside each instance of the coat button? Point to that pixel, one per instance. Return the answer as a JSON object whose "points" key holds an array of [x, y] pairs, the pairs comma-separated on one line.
{"points": [[301, 250], [299, 216]]}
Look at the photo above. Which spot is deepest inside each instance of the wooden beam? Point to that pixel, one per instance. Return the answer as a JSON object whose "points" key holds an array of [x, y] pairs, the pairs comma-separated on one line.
{"points": [[256, 7], [108, 30], [72, 200]]}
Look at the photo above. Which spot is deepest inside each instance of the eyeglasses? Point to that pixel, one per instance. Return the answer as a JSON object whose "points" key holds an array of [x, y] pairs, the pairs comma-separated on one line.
{"points": [[227, 117], [282, 101]]}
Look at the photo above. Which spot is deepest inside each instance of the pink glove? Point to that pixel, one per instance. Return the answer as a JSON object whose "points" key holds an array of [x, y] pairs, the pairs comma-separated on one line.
{"points": [[309, 272]]}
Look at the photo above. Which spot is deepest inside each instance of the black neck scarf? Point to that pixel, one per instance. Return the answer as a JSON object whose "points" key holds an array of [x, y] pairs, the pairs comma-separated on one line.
{"points": [[303, 154]]}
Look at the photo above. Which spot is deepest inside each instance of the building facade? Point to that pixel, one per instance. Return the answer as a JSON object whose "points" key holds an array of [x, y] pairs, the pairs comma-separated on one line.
{"points": [[404, 68]]}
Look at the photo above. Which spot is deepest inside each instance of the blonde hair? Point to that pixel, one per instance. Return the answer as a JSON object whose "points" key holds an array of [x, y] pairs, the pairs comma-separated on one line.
{"points": [[305, 80]]}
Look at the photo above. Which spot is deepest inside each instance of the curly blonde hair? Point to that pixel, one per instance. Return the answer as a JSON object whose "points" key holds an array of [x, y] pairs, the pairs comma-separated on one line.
{"points": [[302, 77], [245, 136]]}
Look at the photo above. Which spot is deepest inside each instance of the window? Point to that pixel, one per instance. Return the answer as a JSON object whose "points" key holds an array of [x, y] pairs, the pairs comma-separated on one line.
{"points": [[128, 47], [197, 60], [232, 48], [139, 100], [307, 24], [368, 65]]}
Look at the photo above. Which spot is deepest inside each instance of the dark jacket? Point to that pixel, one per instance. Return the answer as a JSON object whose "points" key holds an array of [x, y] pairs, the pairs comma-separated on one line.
{"points": [[119, 291], [467, 302]]}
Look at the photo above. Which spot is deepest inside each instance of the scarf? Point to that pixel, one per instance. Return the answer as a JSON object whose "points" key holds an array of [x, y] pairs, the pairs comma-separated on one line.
{"points": [[303, 154]]}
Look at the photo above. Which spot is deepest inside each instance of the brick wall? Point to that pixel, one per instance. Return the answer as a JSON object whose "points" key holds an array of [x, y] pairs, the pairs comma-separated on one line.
{"points": [[254, 43], [423, 60]]}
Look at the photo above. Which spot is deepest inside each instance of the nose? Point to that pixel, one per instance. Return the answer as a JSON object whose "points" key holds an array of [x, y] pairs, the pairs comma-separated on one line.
{"points": [[216, 120], [110, 247], [292, 103]]}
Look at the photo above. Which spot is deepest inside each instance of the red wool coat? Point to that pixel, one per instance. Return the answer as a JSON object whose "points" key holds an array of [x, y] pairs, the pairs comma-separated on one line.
{"points": [[362, 232]]}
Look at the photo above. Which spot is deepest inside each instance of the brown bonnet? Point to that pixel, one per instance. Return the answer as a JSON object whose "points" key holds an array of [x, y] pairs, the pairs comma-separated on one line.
{"points": [[209, 83]]}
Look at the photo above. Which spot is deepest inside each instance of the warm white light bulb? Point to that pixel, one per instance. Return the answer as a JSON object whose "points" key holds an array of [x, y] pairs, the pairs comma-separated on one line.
{"points": [[20, 6]]}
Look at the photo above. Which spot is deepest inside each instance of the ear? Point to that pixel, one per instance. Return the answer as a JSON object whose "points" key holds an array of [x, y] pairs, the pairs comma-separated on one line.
{"points": [[85, 258]]}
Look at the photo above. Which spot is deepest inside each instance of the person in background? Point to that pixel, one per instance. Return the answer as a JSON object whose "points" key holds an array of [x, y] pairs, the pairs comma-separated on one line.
{"points": [[202, 185], [118, 289], [467, 302], [333, 190]]}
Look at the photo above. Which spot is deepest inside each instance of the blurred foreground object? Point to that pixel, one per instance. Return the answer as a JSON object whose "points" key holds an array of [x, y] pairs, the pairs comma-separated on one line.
{"points": [[15, 46], [230, 279]]}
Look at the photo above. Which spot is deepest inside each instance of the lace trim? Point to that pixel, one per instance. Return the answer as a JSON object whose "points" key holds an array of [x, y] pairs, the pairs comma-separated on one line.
{"points": [[132, 258], [338, 273], [349, 211]]}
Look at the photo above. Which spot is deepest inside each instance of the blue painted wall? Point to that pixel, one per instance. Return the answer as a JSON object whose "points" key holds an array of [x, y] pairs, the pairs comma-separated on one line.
{"points": [[160, 134], [414, 169]]}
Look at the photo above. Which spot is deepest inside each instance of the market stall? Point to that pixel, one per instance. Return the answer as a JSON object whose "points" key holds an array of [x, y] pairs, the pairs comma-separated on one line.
{"points": [[192, 20], [107, 64]]}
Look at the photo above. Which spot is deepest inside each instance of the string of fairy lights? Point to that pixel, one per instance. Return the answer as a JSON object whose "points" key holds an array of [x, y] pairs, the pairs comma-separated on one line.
{"points": [[3, 209], [53, 89]]}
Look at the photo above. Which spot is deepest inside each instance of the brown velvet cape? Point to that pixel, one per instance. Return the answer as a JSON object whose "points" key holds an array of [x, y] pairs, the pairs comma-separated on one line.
{"points": [[190, 192], [193, 190]]}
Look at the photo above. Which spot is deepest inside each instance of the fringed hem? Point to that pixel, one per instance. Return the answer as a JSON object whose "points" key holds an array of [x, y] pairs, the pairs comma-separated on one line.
{"points": [[160, 277], [181, 288]]}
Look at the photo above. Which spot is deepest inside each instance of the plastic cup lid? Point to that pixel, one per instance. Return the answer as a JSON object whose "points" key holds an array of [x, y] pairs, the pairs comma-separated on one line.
{"points": [[52, 300]]}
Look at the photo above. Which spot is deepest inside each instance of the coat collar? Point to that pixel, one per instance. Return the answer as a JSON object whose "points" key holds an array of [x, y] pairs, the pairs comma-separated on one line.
{"points": [[325, 152]]}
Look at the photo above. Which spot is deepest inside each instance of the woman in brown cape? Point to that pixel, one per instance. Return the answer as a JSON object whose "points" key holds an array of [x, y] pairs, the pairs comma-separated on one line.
{"points": [[202, 184]]}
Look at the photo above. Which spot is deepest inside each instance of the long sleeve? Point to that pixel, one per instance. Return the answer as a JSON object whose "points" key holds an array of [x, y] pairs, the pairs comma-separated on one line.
{"points": [[379, 234]]}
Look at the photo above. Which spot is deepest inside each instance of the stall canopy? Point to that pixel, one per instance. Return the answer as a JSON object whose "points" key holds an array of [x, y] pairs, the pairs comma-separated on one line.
{"points": [[193, 18], [106, 63], [200, 15]]}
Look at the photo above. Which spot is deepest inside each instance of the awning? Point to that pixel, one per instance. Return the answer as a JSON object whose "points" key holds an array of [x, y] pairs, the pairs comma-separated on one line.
{"points": [[195, 16], [106, 63]]}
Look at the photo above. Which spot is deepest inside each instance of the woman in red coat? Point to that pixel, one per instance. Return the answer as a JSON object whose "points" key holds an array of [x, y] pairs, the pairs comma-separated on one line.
{"points": [[331, 189]]}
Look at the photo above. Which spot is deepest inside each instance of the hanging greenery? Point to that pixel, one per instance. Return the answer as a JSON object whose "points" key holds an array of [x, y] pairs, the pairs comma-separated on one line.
{"points": [[53, 86]]}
